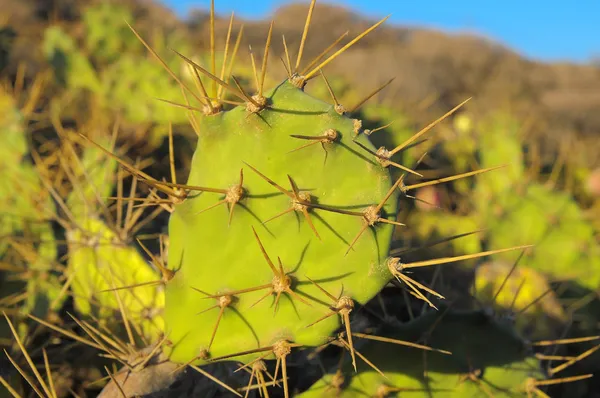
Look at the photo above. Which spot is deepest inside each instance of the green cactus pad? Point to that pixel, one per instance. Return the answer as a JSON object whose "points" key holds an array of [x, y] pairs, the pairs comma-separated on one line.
{"points": [[514, 212], [132, 86], [438, 225], [107, 35], [488, 351], [11, 124], [565, 246], [100, 262], [25, 204], [95, 174], [70, 65], [499, 143], [524, 291], [216, 258]]}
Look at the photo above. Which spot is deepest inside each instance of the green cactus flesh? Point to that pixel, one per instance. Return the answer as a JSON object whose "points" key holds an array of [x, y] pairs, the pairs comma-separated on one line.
{"points": [[99, 260], [565, 246], [99, 263], [132, 85], [524, 291], [514, 212], [210, 255], [26, 206], [11, 124], [499, 143], [487, 359], [107, 35], [71, 67]]}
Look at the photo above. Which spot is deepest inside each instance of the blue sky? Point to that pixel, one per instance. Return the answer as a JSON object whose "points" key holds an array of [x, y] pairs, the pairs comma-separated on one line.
{"points": [[545, 30]]}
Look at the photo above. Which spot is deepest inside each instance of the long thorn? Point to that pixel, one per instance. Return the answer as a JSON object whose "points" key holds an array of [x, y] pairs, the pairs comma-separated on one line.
{"points": [[163, 63], [304, 34], [27, 357], [446, 260], [214, 78], [324, 52], [225, 53], [116, 383], [265, 59], [400, 342], [451, 178], [341, 50], [368, 97], [213, 60], [427, 128], [230, 67], [287, 57], [264, 252]]}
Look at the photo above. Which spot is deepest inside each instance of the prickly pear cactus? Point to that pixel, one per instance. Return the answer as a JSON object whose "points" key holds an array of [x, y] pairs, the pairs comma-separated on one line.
{"points": [[27, 240], [565, 243], [101, 266], [134, 88], [552, 220], [26, 206], [107, 272], [71, 67], [113, 67], [323, 197], [511, 210], [500, 143], [459, 143], [522, 294], [487, 359], [435, 224], [107, 35], [285, 225]]}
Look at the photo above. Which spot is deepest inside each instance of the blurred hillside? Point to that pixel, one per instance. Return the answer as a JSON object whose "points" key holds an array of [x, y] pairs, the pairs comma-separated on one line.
{"points": [[562, 98], [434, 71]]}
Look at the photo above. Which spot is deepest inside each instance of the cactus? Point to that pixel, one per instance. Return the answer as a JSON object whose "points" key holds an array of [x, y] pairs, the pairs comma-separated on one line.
{"points": [[270, 228], [99, 266], [111, 66], [27, 242], [134, 87], [107, 36], [511, 209], [310, 242], [487, 359], [101, 258], [284, 226], [524, 292], [72, 69]]}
